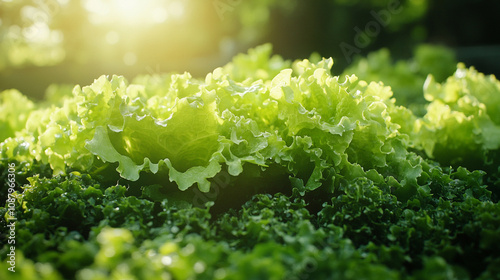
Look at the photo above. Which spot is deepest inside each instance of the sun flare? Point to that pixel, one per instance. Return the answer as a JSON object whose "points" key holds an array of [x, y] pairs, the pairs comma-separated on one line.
{"points": [[133, 12]]}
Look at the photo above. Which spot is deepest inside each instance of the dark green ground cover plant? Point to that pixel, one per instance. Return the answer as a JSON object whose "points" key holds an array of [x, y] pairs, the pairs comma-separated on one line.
{"points": [[264, 169]]}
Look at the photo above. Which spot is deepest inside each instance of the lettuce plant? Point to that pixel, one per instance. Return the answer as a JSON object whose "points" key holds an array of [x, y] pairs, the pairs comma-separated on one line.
{"points": [[300, 117], [343, 180], [462, 123]]}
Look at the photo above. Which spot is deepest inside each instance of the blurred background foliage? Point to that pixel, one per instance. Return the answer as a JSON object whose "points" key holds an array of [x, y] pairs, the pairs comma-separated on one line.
{"points": [[75, 41]]}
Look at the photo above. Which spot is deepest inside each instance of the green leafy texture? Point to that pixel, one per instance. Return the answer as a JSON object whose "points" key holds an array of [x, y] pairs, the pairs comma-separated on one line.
{"points": [[15, 109], [447, 218], [462, 125], [132, 238], [55, 217], [56, 94], [185, 139], [361, 205], [57, 135], [347, 124], [301, 118], [74, 228], [406, 77], [258, 64]]}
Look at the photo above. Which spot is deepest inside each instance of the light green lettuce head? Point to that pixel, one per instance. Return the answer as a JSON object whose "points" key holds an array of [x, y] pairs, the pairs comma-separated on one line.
{"points": [[256, 113], [462, 124]]}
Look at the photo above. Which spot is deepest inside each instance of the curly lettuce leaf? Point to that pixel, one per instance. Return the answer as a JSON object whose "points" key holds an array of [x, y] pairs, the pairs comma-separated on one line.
{"points": [[255, 113], [462, 125], [185, 143], [406, 77], [15, 109]]}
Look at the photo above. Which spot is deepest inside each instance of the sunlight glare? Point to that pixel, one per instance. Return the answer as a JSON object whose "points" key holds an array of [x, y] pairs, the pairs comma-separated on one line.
{"points": [[130, 59], [176, 9], [133, 12], [130, 10], [112, 37], [160, 15]]}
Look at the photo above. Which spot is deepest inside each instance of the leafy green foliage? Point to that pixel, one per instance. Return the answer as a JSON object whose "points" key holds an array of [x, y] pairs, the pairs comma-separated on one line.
{"points": [[450, 225], [301, 118], [15, 109], [462, 124], [457, 108], [406, 77], [337, 181]]}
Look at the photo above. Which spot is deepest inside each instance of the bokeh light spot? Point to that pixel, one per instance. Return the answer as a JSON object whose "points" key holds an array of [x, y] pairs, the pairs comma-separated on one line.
{"points": [[130, 58], [112, 37]]}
